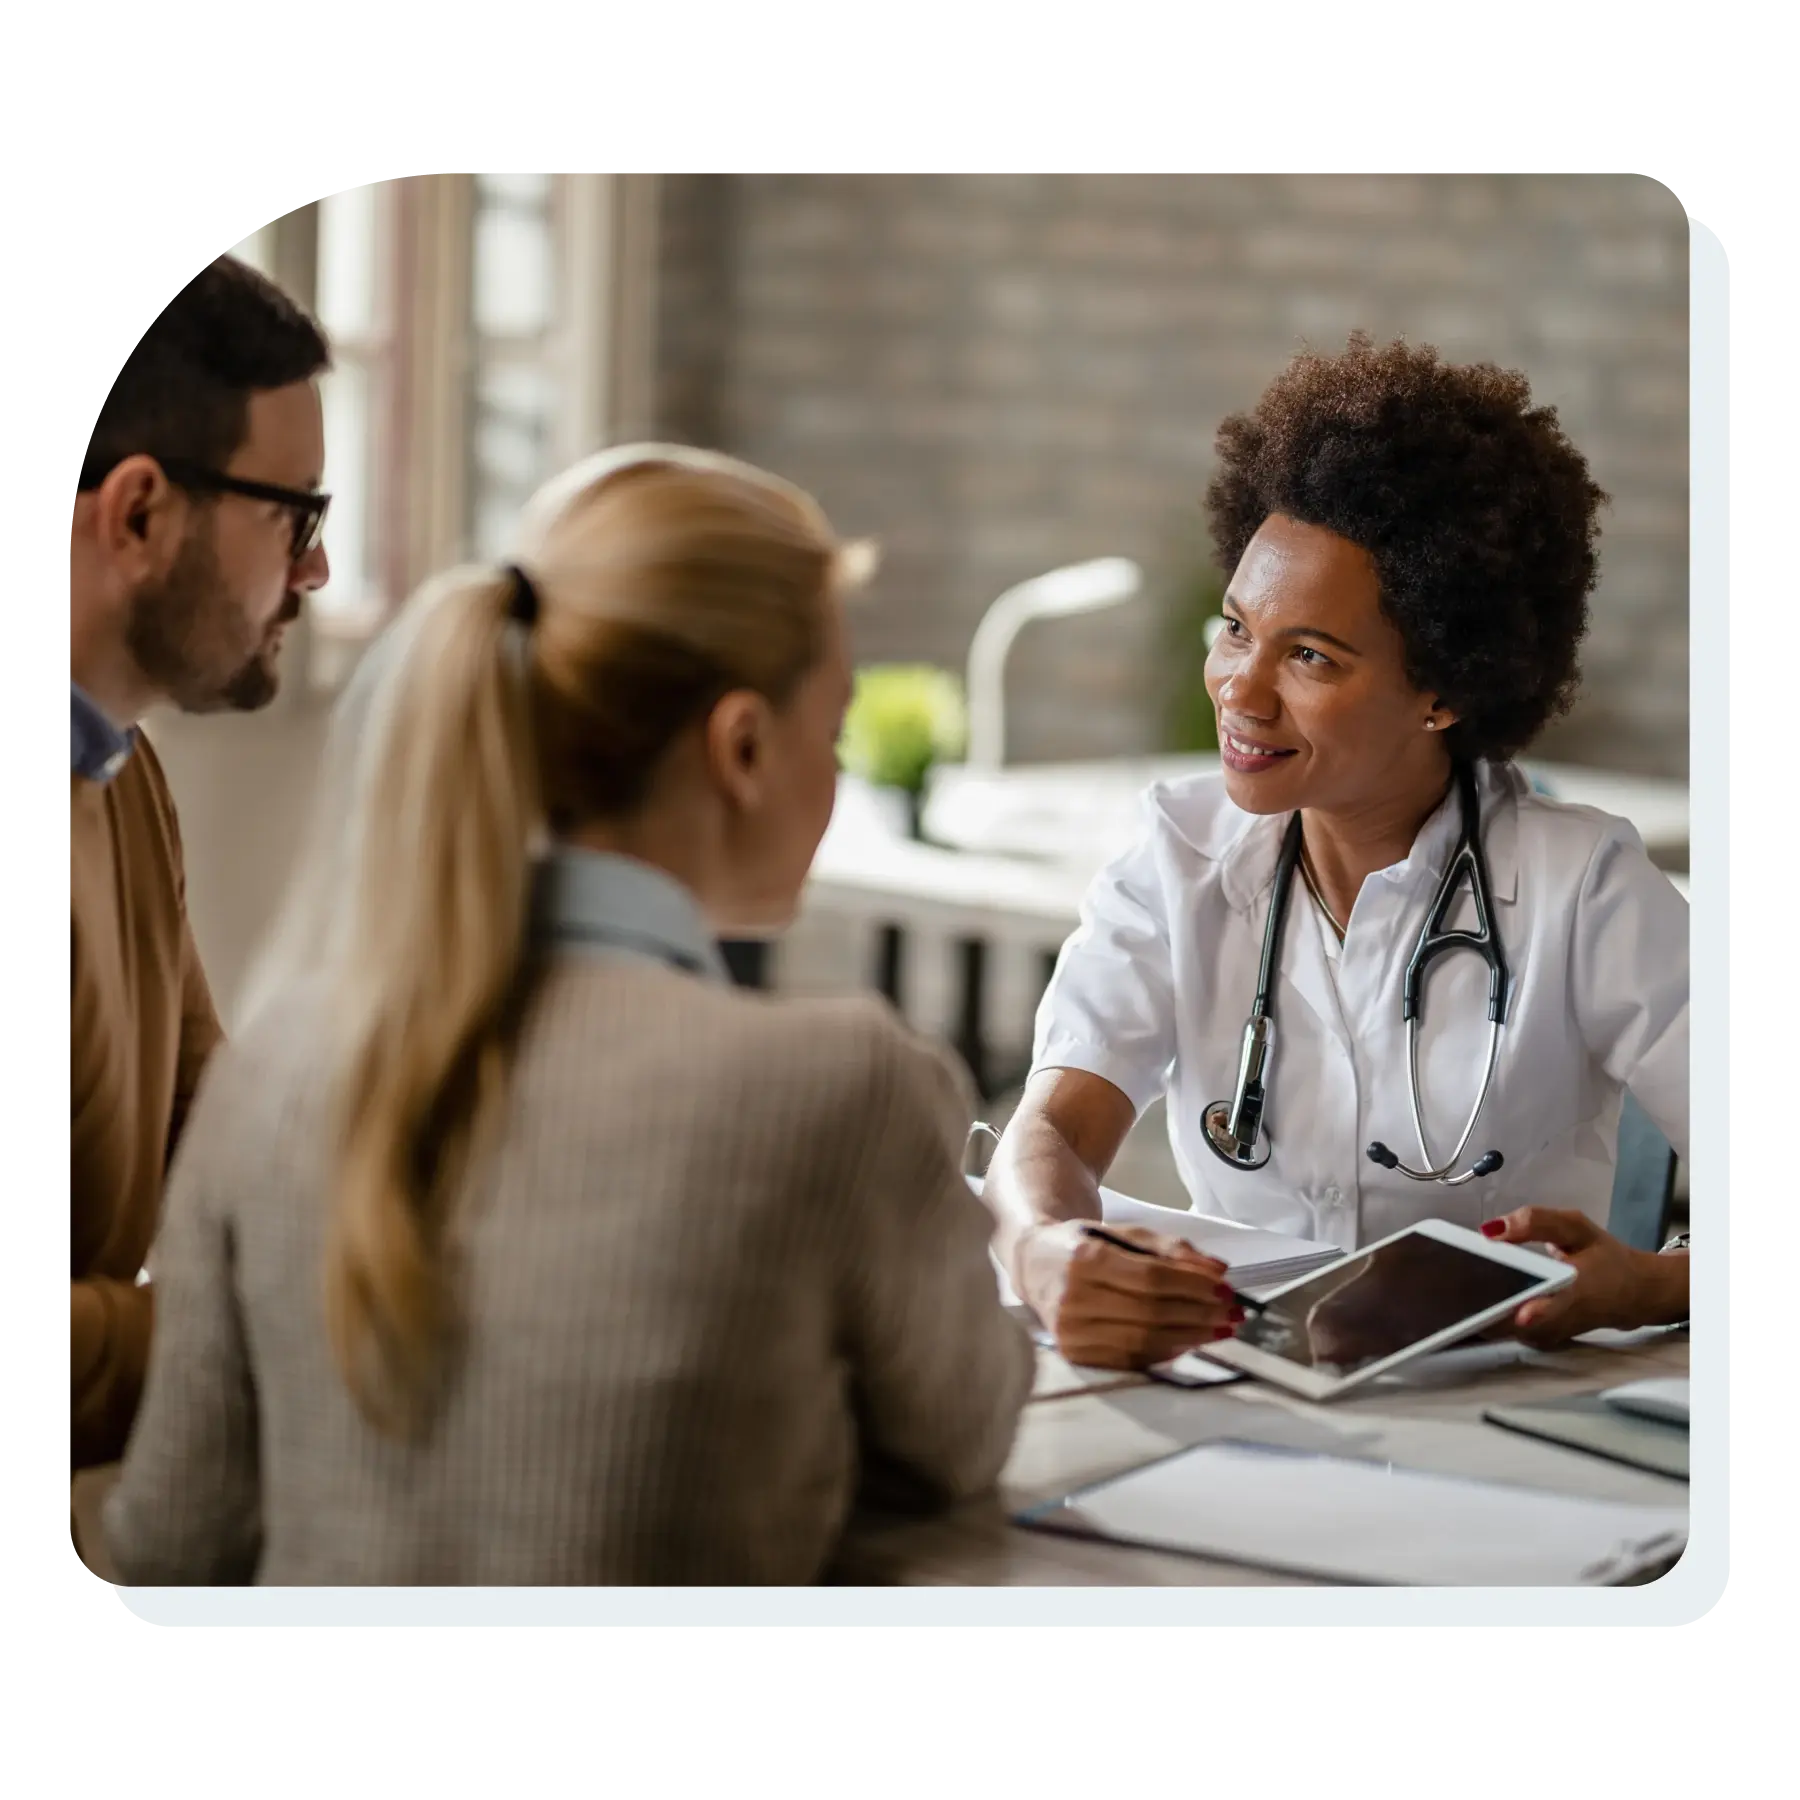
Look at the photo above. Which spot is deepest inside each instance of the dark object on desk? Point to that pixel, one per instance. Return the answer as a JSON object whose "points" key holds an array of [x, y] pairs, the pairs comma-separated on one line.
{"points": [[747, 960], [1123, 1243], [1586, 1422]]}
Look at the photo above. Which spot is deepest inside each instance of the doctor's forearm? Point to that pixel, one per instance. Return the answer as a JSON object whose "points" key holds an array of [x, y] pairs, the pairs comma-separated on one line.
{"points": [[1036, 1179], [1059, 1145]]}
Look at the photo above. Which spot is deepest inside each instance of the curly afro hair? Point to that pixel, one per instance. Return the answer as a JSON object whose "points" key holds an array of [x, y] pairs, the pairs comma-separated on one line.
{"points": [[1479, 513]]}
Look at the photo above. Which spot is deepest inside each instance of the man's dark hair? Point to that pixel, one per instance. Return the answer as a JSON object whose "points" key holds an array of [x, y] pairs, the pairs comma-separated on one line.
{"points": [[184, 392], [1478, 512]]}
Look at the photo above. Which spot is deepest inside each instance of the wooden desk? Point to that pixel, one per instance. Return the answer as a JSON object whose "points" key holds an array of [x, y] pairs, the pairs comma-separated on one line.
{"points": [[1084, 1425]]}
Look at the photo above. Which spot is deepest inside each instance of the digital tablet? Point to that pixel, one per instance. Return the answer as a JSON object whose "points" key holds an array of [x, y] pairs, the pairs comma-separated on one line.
{"points": [[1420, 1290]]}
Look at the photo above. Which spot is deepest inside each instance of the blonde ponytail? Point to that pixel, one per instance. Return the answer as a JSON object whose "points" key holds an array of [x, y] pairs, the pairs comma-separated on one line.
{"points": [[430, 955], [668, 577]]}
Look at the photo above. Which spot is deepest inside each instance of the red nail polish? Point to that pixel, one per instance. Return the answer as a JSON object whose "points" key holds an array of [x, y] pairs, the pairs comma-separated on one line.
{"points": [[1224, 1331], [1493, 1228], [1236, 1315]]}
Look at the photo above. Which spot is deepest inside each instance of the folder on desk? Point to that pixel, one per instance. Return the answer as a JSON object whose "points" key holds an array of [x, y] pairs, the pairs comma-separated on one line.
{"points": [[1342, 1519], [1587, 1422]]}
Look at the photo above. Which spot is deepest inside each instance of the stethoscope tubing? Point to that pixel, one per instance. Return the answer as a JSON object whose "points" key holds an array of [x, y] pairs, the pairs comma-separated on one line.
{"points": [[1232, 1130]]}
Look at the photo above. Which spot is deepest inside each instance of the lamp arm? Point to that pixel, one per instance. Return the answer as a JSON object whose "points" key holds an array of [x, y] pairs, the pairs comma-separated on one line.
{"points": [[986, 679]]}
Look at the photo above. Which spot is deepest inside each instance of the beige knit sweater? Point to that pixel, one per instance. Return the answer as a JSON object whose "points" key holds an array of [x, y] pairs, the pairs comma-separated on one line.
{"points": [[720, 1276]]}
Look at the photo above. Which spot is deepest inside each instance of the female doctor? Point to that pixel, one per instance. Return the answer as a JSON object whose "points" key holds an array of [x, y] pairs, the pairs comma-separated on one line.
{"points": [[1412, 546]]}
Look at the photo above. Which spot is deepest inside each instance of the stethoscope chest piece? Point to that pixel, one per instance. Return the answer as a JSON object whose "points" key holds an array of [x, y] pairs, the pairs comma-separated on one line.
{"points": [[1227, 1145]]}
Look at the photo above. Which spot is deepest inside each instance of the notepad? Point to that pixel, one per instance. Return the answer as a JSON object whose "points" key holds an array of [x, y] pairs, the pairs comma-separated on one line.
{"points": [[1340, 1519], [1257, 1260]]}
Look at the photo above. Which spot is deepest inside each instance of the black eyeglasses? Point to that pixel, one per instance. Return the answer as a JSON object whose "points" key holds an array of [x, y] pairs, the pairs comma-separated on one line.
{"points": [[306, 510]]}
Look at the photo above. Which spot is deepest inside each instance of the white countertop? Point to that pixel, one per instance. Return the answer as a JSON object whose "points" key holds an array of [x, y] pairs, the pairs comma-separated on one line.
{"points": [[1043, 832], [1085, 812]]}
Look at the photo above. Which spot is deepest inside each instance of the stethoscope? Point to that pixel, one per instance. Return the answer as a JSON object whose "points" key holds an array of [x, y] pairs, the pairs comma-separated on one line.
{"points": [[1233, 1128]]}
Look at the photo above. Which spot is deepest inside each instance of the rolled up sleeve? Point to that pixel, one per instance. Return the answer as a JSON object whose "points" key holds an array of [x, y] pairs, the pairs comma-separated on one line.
{"points": [[1630, 969], [1110, 1006]]}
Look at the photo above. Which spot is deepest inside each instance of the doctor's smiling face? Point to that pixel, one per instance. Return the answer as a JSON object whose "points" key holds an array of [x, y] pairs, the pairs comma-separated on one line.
{"points": [[1308, 678]]}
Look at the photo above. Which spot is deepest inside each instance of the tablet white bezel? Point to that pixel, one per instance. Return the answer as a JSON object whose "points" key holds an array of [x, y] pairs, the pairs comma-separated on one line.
{"points": [[1314, 1385]]}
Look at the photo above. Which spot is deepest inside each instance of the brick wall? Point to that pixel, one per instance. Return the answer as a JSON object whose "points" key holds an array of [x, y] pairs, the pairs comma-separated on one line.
{"points": [[996, 374], [999, 373]]}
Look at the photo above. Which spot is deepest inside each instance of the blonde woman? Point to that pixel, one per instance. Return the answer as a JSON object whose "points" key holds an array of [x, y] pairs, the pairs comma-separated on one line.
{"points": [[509, 1242]]}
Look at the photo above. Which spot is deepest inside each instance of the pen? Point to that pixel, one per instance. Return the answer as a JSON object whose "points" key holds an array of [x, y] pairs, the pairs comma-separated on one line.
{"points": [[1120, 1243]]}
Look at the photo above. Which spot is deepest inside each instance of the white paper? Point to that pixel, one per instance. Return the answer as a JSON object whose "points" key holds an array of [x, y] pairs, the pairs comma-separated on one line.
{"points": [[1194, 1370], [1256, 1259], [1345, 1520]]}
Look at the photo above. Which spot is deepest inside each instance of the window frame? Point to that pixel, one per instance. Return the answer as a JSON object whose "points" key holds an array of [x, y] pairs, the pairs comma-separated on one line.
{"points": [[287, 249], [422, 357]]}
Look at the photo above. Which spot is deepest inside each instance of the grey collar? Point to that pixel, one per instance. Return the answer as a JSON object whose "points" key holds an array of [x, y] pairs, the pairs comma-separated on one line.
{"points": [[590, 899], [98, 749]]}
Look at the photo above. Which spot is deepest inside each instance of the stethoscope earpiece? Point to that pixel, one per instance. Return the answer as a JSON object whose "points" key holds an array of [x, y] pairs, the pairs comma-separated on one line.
{"points": [[1483, 1165]]}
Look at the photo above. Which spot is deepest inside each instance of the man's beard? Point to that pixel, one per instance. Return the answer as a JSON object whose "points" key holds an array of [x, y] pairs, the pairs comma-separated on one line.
{"points": [[181, 635]]}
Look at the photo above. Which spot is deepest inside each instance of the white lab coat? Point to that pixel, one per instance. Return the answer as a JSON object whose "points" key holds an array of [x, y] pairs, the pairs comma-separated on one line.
{"points": [[1153, 990]]}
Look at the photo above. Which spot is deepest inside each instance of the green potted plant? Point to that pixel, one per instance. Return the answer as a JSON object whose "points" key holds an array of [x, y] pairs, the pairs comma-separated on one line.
{"points": [[903, 719]]}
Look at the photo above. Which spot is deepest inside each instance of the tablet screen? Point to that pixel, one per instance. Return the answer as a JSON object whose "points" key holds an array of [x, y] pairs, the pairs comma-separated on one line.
{"points": [[1373, 1306]]}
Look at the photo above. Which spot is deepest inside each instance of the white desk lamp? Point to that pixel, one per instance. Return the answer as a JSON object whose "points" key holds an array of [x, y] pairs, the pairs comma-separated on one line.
{"points": [[1059, 594]]}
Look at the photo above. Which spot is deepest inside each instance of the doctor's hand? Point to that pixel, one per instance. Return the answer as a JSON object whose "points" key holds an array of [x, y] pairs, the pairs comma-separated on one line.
{"points": [[1614, 1286], [1110, 1309]]}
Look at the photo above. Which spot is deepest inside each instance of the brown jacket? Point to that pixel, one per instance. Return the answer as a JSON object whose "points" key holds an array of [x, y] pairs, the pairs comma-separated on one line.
{"points": [[142, 1025]]}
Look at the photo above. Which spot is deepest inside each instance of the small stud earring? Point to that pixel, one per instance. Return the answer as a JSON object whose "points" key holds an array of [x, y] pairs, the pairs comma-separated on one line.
{"points": [[1431, 724]]}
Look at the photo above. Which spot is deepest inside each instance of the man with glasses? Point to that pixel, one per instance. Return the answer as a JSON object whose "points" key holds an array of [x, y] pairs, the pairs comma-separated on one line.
{"points": [[196, 535]]}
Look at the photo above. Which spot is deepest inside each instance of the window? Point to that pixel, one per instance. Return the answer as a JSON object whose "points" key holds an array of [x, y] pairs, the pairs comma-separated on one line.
{"points": [[560, 334], [354, 301], [515, 258], [486, 330], [336, 257]]}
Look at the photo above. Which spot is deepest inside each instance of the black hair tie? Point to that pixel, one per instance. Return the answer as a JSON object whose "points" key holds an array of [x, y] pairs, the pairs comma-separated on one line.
{"points": [[524, 608]]}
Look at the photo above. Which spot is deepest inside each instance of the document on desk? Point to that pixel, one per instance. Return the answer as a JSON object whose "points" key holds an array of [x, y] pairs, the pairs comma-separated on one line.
{"points": [[1586, 1422], [1257, 1260], [1336, 1518]]}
